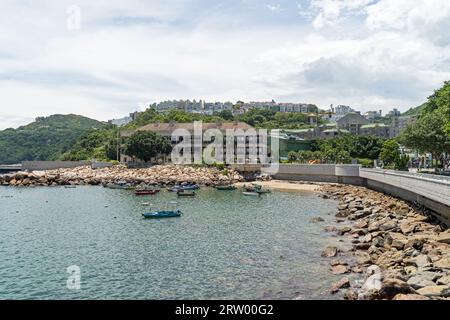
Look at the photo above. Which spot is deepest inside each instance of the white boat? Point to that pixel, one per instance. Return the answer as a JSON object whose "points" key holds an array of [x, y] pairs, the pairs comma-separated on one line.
{"points": [[253, 194]]}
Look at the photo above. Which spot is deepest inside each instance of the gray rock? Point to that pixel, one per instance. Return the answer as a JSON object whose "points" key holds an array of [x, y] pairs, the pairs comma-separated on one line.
{"points": [[435, 291], [418, 282], [341, 284], [340, 269], [329, 252], [444, 281], [388, 225]]}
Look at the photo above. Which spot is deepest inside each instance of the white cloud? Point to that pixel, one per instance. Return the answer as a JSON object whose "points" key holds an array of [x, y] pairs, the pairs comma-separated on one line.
{"points": [[274, 7], [127, 54], [330, 12]]}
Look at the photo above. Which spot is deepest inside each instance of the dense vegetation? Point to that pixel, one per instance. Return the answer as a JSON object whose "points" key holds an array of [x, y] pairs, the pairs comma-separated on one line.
{"points": [[415, 111], [99, 144], [45, 139], [431, 132], [146, 145], [341, 150], [267, 119]]}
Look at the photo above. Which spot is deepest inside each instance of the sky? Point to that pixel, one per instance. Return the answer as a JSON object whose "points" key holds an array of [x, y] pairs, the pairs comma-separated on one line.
{"points": [[107, 58]]}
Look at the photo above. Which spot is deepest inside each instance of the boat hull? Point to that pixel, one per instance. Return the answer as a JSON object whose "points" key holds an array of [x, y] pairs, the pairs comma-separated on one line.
{"points": [[162, 214]]}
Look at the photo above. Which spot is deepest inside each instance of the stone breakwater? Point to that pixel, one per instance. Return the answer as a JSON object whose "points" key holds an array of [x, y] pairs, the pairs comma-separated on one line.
{"points": [[163, 174], [394, 250]]}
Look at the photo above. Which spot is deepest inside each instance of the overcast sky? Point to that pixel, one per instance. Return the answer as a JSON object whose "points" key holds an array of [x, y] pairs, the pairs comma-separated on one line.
{"points": [[124, 55]]}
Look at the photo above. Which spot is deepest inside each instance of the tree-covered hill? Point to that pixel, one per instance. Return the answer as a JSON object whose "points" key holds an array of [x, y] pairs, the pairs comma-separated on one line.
{"points": [[45, 139], [415, 111]]}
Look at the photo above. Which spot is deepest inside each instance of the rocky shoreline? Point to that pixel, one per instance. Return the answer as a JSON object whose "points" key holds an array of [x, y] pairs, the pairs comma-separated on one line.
{"points": [[397, 252], [163, 175]]}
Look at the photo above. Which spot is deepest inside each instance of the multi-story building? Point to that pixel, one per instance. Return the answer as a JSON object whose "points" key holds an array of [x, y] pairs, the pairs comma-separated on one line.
{"points": [[400, 123], [352, 122], [243, 145], [373, 115], [394, 113], [375, 129]]}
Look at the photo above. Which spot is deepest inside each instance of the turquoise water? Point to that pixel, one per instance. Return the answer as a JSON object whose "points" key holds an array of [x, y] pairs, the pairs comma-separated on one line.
{"points": [[226, 246]]}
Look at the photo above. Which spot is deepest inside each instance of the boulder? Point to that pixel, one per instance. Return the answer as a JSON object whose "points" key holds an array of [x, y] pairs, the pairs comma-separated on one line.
{"points": [[340, 269], [330, 252], [435, 291], [341, 284], [402, 296], [418, 282], [316, 220], [419, 261], [444, 281], [444, 237], [444, 263], [389, 225], [392, 287]]}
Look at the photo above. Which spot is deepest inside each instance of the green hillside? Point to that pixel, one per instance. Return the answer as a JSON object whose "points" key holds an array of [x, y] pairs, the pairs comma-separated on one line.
{"points": [[45, 139], [415, 111]]}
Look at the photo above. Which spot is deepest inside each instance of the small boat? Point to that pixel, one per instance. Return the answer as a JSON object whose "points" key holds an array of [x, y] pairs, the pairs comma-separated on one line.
{"points": [[146, 192], [230, 187], [185, 193], [70, 187], [253, 194], [162, 214], [256, 188], [169, 212], [183, 187], [120, 186]]}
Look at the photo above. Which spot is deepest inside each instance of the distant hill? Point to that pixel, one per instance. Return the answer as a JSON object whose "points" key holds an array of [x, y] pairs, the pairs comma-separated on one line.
{"points": [[45, 139], [415, 111]]}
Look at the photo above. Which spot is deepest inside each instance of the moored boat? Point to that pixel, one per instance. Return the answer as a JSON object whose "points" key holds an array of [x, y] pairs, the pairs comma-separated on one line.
{"points": [[253, 194], [185, 193], [144, 192], [229, 187], [162, 214]]}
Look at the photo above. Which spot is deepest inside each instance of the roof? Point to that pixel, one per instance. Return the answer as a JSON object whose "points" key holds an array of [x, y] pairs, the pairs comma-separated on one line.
{"points": [[374, 125], [168, 128], [351, 117], [336, 130]]}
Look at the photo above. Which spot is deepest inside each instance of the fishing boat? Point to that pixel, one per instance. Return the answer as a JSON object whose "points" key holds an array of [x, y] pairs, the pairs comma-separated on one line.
{"points": [[144, 192], [252, 194], [256, 188], [183, 187], [169, 212], [162, 214], [230, 187], [122, 185], [185, 193]]}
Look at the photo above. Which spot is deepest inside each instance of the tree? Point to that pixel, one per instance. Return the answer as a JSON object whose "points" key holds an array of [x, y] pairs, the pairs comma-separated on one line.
{"points": [[390, 152], [428, 134], [146, 145], [292, 156]]}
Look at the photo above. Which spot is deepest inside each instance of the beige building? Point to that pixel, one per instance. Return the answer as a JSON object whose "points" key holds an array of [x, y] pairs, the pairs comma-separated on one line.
{"points": [[352, 122], [177, 132]]}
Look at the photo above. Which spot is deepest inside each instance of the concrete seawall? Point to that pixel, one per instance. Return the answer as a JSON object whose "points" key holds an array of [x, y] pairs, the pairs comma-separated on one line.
{"points": [[348, 174], [432, 192], [50, 165]]}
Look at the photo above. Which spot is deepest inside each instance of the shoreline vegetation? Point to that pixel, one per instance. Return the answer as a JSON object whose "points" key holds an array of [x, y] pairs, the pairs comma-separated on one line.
{"points": [[386, 248]]}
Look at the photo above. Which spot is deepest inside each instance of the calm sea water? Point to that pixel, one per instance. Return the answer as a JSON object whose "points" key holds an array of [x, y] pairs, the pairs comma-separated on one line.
{"points": [[226, 246]]}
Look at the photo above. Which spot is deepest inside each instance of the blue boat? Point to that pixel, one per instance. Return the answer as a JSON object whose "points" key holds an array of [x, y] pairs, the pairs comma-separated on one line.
{"points": [[162, 214], [184, 187]]}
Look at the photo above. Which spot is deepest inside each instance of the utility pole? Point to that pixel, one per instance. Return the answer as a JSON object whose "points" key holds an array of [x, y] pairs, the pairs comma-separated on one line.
{"points": [[118, 148]]}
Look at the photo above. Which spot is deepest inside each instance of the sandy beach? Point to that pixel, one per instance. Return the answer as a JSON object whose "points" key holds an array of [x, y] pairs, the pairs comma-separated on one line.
{"points": [[286, 185]]}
